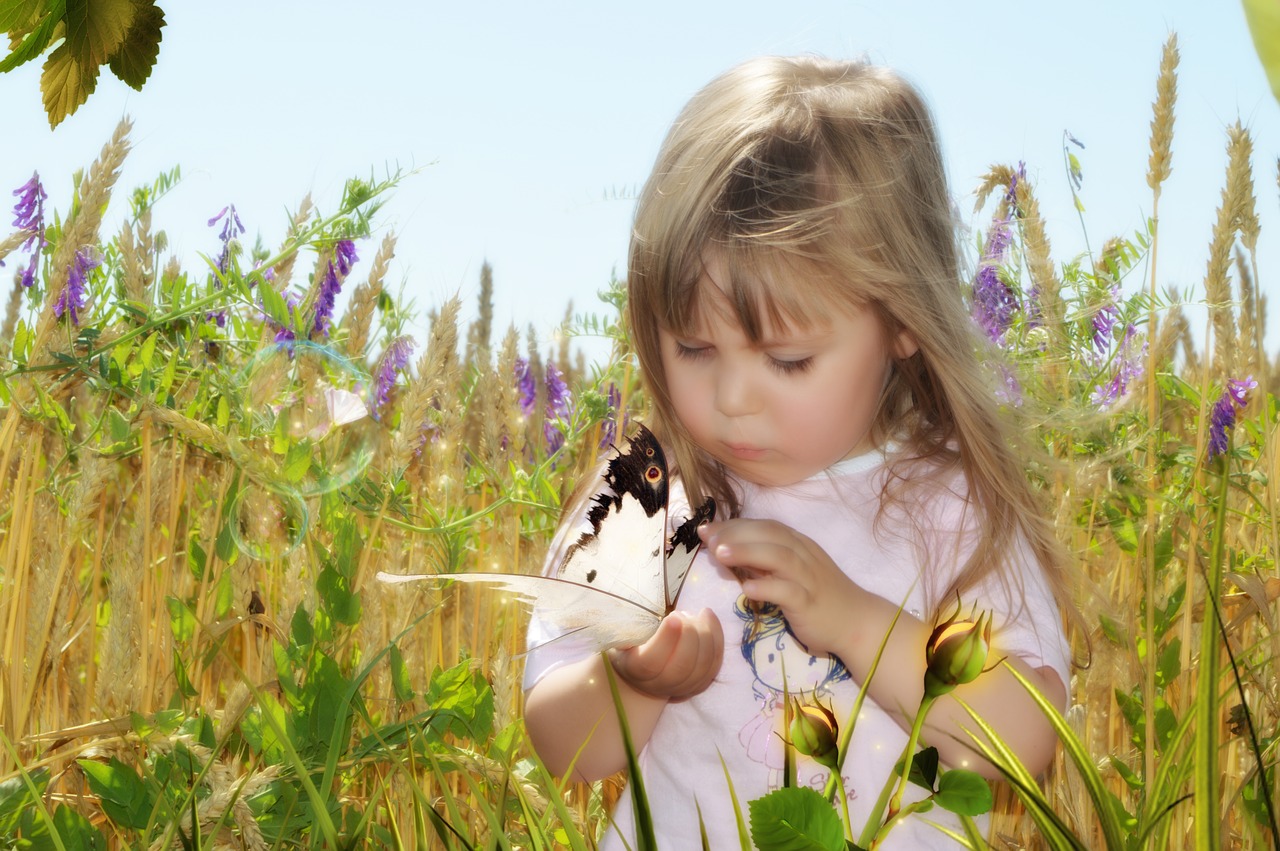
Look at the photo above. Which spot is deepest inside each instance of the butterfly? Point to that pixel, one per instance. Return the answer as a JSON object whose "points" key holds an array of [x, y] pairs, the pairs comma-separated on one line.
{"points": [[623, 575]]}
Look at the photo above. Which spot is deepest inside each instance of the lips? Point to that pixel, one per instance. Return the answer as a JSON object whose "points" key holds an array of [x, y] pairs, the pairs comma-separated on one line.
{"points": [[744, 451]]}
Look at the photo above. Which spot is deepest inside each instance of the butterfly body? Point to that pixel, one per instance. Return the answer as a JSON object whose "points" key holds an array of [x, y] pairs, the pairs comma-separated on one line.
{"points": [[621, 576]]}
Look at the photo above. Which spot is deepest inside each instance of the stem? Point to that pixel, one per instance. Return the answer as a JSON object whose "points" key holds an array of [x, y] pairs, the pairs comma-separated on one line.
{"points": [[871, 832]]}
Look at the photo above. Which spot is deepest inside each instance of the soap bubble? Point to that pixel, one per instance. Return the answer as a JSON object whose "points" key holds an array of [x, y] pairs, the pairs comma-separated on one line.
{"points": [[267, 524], [305, 424]]}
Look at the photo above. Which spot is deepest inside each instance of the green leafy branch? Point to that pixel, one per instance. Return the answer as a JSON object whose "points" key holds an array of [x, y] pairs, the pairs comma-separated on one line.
{"points": [[124, 35]]}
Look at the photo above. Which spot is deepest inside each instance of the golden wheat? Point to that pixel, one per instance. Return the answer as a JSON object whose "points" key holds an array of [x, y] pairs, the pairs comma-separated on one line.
{"points": [[1160, 162]]}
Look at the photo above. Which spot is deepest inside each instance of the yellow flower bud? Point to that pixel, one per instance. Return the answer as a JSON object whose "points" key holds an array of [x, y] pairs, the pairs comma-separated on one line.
{"points": [[814, 732], [956, 653]]}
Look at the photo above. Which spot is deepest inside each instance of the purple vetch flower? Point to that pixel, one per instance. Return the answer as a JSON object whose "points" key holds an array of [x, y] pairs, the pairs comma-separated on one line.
{"points": [[1009, 390], [284, 333], [232, 227], [612, 420], [558, 408], [72, 298], [28, 215], [344, 254], [994, 301], [1223, 418], [1104, 322], [394, 360], [1130, 366], [524, 383]]}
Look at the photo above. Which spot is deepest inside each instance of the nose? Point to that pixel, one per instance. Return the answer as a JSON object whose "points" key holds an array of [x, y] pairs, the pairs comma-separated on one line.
{"points": [[736, 394]]}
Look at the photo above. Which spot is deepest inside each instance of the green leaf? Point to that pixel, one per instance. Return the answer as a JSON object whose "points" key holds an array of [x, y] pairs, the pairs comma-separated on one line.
{"points": [[462, 701], [66, 82], [124, 796], [74, 831], [963, 792], [1169, 663], [96, 30], [1264, 25], [401, 682], [300, 628], [337, 598], [36, 41], [182, 621], [223, 595], [924, 768], [17, 17], [795, 819], [15, 797], [297, 461], [274, 305], [136, 56], [185, 687], [147, 353]]}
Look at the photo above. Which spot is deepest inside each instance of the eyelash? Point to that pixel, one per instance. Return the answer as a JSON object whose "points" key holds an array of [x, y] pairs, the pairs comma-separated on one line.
{"points": [[782, 367]]}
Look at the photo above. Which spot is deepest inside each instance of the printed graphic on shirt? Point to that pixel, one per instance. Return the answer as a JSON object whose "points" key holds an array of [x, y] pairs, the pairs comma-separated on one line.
{"points": [[782, 665]]}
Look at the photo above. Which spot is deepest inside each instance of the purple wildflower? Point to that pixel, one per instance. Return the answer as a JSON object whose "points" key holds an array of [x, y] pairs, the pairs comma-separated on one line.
{"points": [[609, 428], [994, 301], [524, 383], [72, 298], [344, 253], [394, 360], [28, 215], [558, 408], [1223, 417], [1104, 322], [284, 333], [1131, 366], [232, 227]]}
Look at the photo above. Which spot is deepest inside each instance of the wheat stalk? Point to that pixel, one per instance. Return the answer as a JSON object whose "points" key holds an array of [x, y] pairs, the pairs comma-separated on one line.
{"points": [[364, 299], [1160, 162], [11, 310], [81, 227]]}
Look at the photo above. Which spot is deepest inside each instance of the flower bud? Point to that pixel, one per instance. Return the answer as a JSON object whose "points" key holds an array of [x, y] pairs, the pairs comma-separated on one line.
{"points": [[814, 732], [956, 653]]}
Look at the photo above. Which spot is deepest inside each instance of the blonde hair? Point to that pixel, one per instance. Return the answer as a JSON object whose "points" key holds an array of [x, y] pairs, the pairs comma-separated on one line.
{"points": [[831, 172]]}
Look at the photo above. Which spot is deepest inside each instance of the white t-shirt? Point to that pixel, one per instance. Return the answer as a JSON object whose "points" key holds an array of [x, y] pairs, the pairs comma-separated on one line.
{"points": [[901, 554]]}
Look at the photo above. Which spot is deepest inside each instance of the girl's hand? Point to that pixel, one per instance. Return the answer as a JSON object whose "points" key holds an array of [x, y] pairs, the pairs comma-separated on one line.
{"points": [[679, 660], [779, 565]]}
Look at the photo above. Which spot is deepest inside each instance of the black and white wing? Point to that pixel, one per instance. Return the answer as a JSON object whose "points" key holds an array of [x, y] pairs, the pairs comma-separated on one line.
{"points": [[621, 577]]}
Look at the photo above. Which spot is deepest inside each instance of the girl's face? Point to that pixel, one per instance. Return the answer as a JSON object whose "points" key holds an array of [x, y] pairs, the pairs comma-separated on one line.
{"points": [[777, 412]]}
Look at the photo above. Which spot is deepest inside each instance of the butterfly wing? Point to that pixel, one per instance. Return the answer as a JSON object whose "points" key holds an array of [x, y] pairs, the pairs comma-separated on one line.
{"points": [[623, 552], [621, 577], [682, 548], [596, 617]]}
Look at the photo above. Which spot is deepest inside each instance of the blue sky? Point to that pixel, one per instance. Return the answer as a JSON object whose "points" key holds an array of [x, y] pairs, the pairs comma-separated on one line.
{"points": [[535, 123]]}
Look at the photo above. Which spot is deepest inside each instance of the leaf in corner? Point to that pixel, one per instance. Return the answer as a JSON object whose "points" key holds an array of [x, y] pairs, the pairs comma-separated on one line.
{"points": [[95, 31], [795, 819], [28, 46], [133, 62], [19, 17], [65, 83]]}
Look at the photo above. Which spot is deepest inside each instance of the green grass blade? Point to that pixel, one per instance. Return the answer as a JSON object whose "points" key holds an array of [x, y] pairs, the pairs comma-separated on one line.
{"points": [[744, 836], [1055, 831], [645, 838], [1102, 801], [1208, 833]]}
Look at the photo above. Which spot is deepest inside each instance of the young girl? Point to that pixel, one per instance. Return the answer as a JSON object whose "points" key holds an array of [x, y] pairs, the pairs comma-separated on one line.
{"points": [[795, 305]]}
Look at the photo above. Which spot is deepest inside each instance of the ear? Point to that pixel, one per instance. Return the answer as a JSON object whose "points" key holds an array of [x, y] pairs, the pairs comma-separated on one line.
{"points": [[904, 345]]}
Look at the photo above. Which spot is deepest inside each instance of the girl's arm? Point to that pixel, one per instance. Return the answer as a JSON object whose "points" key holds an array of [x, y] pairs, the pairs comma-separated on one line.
{"points": [[830, 613], [570, 713]]}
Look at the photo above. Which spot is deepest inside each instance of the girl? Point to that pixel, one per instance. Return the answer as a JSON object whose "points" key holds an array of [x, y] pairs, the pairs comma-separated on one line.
{"points": [[795, 305]]}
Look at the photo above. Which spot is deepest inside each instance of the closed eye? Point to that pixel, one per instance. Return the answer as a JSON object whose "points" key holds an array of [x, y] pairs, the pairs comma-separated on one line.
{"points": [[692, 353], [790, 367]]}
